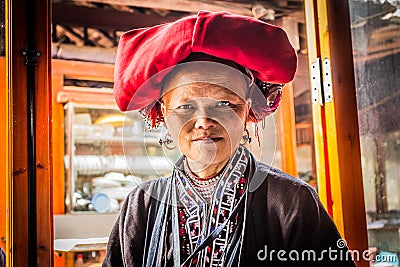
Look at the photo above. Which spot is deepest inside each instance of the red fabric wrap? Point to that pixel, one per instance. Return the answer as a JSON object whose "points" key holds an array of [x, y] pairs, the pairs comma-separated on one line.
{"points": [[142, 53]]}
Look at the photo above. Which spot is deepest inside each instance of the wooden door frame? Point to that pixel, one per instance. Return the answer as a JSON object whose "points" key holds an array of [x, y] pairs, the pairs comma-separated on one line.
{"points": [[336, 133], [28, 20]]}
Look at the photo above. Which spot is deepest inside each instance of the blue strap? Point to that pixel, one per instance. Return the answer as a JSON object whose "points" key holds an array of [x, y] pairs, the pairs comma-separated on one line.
{"points": [[158, 231]]}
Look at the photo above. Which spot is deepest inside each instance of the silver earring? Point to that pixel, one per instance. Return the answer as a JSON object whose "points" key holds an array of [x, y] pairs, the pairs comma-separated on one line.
{"points": [[167, 141], [246, 138]]}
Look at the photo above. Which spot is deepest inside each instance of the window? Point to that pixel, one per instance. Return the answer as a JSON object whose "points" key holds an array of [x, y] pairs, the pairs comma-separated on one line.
{"points": [[376, 50]]}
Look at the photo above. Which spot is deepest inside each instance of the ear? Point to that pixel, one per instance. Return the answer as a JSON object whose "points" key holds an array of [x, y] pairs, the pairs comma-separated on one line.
{"points": [[248, 104], [163, 109], [164, 113]]}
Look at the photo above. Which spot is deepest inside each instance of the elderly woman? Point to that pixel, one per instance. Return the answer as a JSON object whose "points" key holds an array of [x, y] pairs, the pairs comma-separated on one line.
{"points": [[206, 78]]}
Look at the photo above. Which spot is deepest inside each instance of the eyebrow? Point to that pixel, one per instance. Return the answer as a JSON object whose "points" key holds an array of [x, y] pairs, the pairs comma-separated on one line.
{"points": [[219, 93], [229, 92]]}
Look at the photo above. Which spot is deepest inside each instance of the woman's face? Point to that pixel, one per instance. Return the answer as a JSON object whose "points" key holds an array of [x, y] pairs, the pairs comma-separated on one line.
{"points": [[206, 120]]}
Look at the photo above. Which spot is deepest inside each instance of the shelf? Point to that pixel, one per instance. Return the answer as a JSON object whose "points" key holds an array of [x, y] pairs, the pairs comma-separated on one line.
{"points": [[83, 225], [80, 245], [89, 165], [116, 140]]}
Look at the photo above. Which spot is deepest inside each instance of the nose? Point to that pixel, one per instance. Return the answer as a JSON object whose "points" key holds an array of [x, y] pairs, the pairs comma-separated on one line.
{"points": [[204, 123]]}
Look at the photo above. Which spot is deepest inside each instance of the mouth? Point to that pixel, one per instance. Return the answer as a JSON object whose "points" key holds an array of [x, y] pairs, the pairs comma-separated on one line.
{"points": [[207, 139]]}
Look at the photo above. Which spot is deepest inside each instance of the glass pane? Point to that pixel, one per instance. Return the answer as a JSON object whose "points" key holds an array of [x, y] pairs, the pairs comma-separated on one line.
{"points": [[376, 50], [270, 151], [303, 116]]}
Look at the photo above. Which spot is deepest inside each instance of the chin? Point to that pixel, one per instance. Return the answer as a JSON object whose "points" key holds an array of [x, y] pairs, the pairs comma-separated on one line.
{"points": [[208, 156]]}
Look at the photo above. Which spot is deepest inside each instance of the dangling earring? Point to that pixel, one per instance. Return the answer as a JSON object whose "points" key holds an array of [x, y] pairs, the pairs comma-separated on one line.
{"points": [[167, 141], [246, 138]]}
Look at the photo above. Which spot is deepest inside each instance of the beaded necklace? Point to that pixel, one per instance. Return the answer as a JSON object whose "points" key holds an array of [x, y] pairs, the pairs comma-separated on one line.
{"points": [[201, 182], [204, 186]]}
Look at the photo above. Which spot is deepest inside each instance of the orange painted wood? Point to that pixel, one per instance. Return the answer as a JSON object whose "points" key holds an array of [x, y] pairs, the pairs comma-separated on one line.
{"points": [[318, 128], [3, 150], [59, 260], [58, 146], [84, 70], [17, 201], [343, 132], [78, 96], [44, 163], [287, 131]]}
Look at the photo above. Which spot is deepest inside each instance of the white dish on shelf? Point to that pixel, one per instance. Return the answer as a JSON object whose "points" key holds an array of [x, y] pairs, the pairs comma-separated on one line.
{"points": [[103, 182], [119, 193], [103, 203], [115, 176]]}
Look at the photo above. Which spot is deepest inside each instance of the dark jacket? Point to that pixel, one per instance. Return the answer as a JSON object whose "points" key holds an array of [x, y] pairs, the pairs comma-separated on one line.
{"points": [[2, 258], [286, 225]]}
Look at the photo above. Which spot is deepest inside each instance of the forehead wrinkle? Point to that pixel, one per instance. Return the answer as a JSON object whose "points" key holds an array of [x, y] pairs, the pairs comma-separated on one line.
{"points": [[201, 90], [221, 92], [197, 75]]}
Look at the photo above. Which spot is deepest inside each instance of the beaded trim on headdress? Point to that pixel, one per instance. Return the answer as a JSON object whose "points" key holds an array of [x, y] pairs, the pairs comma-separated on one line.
{"points": [[152, 115]]}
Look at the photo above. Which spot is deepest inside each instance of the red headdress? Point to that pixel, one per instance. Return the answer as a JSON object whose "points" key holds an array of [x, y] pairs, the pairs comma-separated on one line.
{"points": [[262, 48]]}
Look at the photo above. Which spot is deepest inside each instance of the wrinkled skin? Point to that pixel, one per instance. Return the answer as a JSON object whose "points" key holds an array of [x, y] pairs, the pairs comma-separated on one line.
{"points": [[205, 120]]}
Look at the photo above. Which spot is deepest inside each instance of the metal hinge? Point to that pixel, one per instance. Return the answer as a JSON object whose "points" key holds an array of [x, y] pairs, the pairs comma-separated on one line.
{"points": [[31, 54], [321, 92]]}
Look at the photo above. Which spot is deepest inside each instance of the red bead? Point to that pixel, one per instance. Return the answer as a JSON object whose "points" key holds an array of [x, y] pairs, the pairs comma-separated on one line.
{"points": [[181, 232]]}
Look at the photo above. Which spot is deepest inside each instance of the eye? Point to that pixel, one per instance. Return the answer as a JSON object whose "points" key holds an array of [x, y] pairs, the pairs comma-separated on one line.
{"points": [[224, 104], [184, 107]]}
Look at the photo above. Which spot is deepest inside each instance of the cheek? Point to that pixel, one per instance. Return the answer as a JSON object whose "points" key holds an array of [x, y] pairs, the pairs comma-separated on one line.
{"points": [[233, 121], [178, 126], [234, 129]]}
